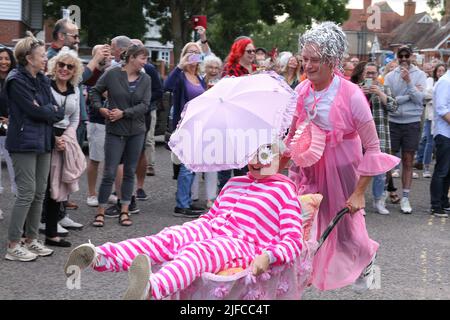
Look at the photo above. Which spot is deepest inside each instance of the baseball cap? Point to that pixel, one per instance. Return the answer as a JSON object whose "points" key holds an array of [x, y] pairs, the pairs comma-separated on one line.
{"points": [[404, 48], [261, 49]]}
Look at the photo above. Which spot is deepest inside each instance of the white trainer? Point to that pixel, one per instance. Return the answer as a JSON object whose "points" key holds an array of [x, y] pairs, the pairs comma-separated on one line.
{"points": [[139, 279], [396, 173], [60, 230], [68, 223], [366, 280], [82, 257], [20, 253], [427, 174], [405, 206], [92, 201], [38, 248], [415, 175], [380, 206], [112, 199]]}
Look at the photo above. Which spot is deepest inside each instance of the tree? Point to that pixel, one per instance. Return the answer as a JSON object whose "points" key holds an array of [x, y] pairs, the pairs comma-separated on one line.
{"points": [[283, 36], [232, 18], [436, 4], [102, 21]]}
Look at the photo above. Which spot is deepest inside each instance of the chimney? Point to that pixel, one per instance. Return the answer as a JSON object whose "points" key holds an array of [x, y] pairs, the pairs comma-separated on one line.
{"points": [[410, 9], [367, 3]]}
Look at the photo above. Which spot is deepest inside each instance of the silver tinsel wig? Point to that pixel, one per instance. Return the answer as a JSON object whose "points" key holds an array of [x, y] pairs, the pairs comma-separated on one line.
{"points": [[329, 40]]}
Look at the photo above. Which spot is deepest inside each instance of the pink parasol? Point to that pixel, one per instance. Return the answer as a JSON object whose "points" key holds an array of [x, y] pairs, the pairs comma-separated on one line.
{"points": [[224, 127]]}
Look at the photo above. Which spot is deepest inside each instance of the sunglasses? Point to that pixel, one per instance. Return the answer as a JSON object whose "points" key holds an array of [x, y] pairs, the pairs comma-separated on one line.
{"points": [[401, 56], [75, 36], [250, 51], [62, 65], [193, 52]]}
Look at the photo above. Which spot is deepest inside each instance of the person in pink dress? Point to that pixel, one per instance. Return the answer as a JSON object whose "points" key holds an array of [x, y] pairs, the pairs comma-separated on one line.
{"points": [[254, 222], [333, 163]]}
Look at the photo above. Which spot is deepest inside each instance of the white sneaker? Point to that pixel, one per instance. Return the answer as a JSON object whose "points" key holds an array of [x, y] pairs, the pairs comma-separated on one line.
{"points": [[38, 248], [380, 206], [405, 206], [1, 215], [112, 199], [427, 174], [68, 223], [367, 278], [82, 257], [92, 201], [415, 175], [396, 173], [60, 230], [139, 279], [20, 253]]}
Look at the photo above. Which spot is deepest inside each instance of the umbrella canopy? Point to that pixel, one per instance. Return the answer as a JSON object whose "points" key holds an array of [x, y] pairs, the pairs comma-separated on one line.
{"points": [[224, 127]]}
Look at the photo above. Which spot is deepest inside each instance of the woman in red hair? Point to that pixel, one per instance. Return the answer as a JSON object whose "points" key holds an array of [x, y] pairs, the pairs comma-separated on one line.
{"points": [[241, 58], [239, 63]]}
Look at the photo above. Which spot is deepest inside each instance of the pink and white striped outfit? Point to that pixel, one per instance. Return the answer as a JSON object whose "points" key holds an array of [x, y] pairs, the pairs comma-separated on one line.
{"points": [[249, 216]]}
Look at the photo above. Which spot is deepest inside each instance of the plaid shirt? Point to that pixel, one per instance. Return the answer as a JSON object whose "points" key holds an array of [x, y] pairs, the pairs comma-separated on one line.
{"points": [[236, 70], [380, 114]]}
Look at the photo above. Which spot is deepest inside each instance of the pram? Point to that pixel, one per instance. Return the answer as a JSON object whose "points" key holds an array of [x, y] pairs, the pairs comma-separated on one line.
{"points": [[286, 282]]}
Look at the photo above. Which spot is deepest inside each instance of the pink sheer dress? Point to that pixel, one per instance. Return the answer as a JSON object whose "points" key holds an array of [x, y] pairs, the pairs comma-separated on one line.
{"points": [[348, 249]]}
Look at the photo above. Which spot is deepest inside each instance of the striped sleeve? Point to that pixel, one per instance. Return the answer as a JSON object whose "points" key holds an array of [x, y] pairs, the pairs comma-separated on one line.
{"points": [[291, 238]]}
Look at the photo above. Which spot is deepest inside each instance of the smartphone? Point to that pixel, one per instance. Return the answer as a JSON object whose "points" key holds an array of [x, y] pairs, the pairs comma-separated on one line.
{"points": [[199, 21], [368, 83], [195, 58]]}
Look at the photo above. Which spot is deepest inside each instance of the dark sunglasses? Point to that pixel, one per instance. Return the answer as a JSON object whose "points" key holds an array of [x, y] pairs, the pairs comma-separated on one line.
{"points": [[250, 51], [401, 56], [75, 36], [62, 65]]}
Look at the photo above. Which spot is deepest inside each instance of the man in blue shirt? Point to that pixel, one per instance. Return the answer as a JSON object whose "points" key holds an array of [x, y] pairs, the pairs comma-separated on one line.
{"points": [[440, 182]]}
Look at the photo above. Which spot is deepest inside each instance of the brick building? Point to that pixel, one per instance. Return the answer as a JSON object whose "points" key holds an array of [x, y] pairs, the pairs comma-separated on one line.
{"points": [[18, 16]]}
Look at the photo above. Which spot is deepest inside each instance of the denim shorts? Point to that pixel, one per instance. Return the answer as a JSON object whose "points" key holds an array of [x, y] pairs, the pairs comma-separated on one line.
{"points": [[404, 136]]}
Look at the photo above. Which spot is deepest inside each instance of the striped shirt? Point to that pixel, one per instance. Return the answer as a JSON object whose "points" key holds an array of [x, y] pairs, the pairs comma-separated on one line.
{"points": [[265, 212]]}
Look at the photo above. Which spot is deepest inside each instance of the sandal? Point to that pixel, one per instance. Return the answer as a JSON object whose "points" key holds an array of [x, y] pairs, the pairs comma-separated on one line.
{"points": [[97, 222], [126, 222], [393, 196]]}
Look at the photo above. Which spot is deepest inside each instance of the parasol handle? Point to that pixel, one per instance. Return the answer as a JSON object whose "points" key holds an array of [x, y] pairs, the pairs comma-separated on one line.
{"points": [[331, 226]]}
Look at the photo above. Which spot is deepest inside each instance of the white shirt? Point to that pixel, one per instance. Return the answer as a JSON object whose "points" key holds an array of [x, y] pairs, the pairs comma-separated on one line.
{"points": [[441, 104], [325, 98]]}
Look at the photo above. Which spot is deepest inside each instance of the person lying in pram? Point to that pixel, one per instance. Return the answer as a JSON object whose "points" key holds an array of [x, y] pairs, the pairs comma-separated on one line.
{"points": [[255, 222]]}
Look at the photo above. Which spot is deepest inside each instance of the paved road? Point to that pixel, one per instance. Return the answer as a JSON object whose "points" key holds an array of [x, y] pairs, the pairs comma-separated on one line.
{"points": [[413, 259]]}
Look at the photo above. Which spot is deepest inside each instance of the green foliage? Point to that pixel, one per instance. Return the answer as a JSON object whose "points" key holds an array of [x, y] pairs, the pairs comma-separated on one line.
{"points": [[227, 19], [436, 4], [283, 36], [102, 21]]}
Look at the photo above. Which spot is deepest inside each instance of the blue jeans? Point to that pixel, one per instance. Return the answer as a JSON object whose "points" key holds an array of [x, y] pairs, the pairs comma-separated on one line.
{"points": [[378, 186], [120, 149], [184, 184], [440, 181], [426, 145]]}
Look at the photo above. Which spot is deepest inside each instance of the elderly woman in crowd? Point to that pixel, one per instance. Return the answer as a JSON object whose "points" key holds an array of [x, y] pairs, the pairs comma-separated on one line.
{"points": [[65, 71], [32, 113], [213, 67]]}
